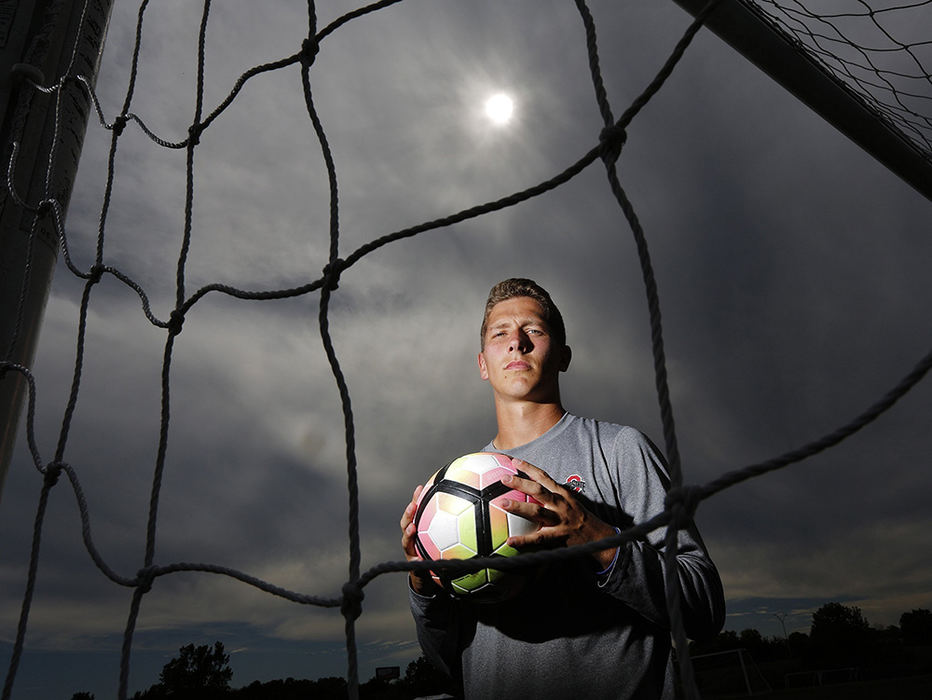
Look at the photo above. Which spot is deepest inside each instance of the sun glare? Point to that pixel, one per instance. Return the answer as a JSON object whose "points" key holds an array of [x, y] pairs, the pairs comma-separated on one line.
{"points": [[499, 108]]}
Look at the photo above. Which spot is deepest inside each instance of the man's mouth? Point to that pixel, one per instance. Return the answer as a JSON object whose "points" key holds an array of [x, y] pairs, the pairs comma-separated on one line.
{"points": [[517, 364]]}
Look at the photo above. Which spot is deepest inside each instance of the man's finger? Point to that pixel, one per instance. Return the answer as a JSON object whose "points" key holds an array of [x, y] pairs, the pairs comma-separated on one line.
{"points": [[535, 473], [535, 489], [537, 512]]}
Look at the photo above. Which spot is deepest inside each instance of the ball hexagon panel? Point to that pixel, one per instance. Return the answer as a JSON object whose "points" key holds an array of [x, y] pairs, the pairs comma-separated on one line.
{"points": [[448, 520], [479, 470]]}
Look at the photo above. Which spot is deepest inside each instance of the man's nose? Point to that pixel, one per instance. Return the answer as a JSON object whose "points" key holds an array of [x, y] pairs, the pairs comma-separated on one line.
{"points": [[519, 340]]}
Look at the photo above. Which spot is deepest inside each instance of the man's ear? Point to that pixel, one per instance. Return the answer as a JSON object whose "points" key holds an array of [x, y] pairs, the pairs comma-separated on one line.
{"points": [[483, 368], [565, 357]]}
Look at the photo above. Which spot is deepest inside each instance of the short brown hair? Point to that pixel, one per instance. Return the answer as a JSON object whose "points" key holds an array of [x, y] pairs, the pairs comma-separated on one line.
{"points": [[521, 287]]}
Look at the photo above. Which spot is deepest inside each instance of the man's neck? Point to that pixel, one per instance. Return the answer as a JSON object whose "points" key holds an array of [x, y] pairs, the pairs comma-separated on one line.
{"points": [[521, 422]]}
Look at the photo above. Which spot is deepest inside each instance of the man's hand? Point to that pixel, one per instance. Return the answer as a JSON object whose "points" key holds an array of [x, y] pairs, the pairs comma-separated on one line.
{"points": [[564, 521], [421, 582]]}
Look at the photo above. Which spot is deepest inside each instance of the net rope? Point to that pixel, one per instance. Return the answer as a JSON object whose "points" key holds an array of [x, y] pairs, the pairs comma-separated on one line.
{"points": [[682, 500], [865, 49]]}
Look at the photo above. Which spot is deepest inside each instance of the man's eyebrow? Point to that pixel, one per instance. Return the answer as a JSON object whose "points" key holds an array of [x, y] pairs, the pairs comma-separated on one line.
{"points": [[527, 321]]}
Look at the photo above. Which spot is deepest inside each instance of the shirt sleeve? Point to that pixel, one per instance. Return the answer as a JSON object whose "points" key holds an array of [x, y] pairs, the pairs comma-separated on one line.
{"points": [[437, 619], [638, 576]]}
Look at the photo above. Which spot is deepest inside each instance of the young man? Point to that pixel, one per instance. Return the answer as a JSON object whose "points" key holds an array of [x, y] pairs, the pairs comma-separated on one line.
{"points": [[595, 625]]}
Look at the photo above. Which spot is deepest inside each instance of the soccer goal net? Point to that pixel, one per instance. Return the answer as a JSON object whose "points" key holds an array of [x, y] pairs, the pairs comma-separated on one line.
{"points": [[862, 66]]}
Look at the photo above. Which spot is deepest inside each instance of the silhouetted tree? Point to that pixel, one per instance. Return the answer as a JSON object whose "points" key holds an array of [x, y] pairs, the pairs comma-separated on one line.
{"points": [[723, 641], [799, 644], [759, 647], [200, 672], [197, 668], [423, 678], [916, 627], [292, 689], [754, 643], [330, 688], [840, 635]]}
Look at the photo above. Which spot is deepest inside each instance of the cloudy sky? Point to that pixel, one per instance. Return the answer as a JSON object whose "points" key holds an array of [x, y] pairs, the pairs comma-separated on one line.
{"points": [[793, 278]]}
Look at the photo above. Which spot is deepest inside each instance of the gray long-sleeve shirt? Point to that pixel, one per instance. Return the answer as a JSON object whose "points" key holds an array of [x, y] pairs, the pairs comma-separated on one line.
{"points": [[571, 632]]}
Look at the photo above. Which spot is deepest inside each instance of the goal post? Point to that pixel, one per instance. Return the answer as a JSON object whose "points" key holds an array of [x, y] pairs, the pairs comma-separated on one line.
{"points": [[745, 28], [40, 41]]}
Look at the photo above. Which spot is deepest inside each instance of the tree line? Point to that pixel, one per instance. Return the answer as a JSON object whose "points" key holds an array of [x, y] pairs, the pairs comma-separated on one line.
{"points": [[840, 636], [841, 645], [204, 673]]}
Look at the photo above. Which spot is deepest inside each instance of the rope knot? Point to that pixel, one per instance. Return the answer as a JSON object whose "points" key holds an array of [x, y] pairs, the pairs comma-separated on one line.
{"points": [[612, 139], [352, 600], [309, 49], [194, 134], [176, 322], [52, 472], [144, 579], [96, 273], [119, 124], [682, 502], [332, 272]]}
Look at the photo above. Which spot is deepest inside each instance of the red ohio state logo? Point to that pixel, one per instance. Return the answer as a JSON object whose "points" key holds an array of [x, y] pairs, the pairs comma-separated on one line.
{"points": [[575, 482]]}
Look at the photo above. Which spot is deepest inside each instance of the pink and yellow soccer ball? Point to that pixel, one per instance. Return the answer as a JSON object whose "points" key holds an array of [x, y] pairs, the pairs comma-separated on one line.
{"points": [[459, 516]]}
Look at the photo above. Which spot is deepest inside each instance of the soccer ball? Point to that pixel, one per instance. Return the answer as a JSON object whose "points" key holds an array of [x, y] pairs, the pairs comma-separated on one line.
{"points": [[459, 516]]}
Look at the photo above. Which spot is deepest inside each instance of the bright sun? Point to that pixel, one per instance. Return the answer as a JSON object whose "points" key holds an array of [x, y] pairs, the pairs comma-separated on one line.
{"points": [[499, 108]]}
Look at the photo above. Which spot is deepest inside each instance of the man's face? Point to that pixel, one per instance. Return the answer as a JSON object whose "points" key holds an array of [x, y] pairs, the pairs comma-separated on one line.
{"points": [[520, 359]]}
